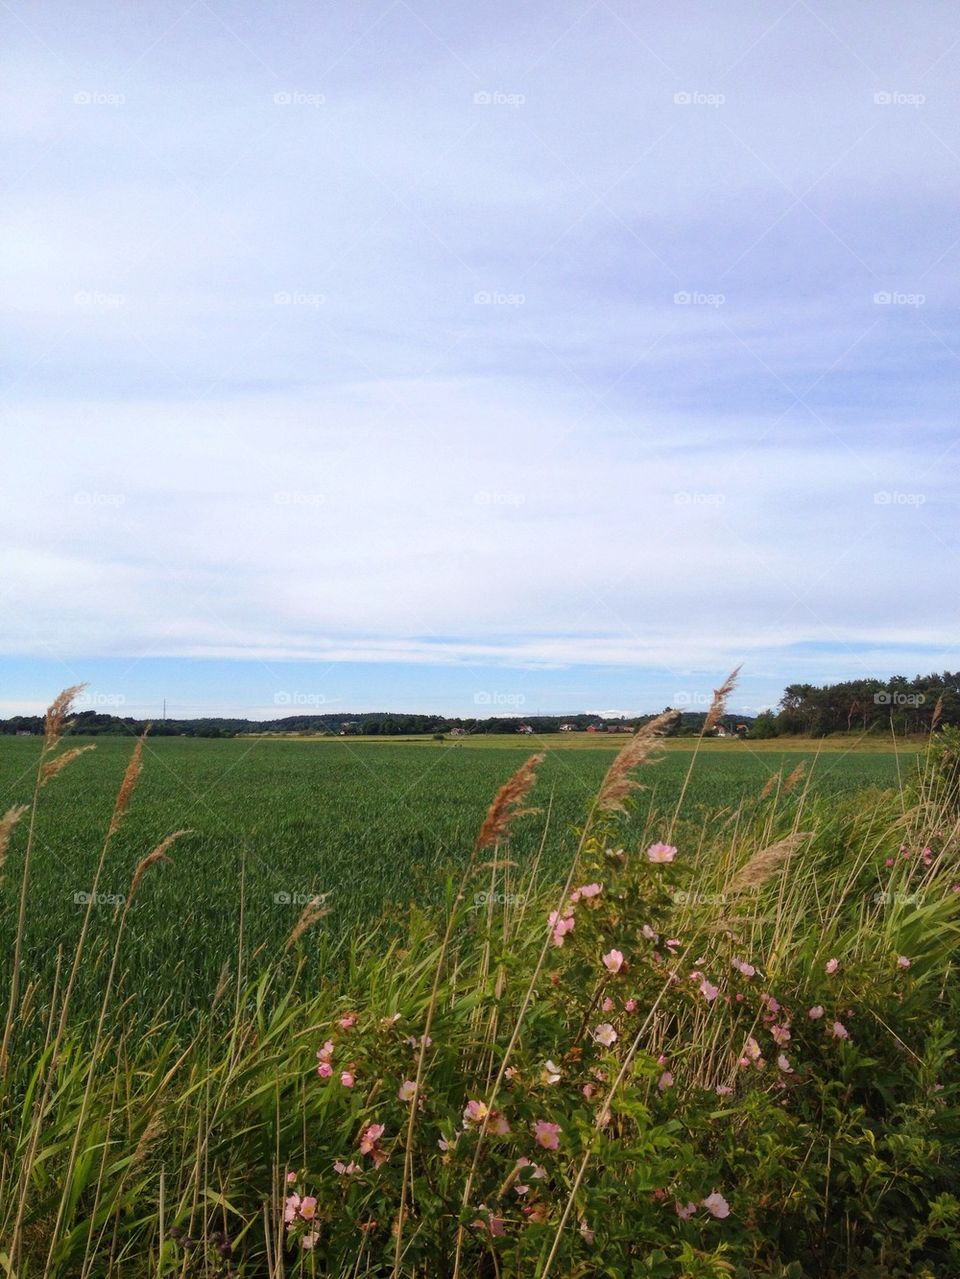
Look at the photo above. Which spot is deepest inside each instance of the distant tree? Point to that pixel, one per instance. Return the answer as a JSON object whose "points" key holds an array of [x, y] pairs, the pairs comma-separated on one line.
{"points": [[764, 727]]}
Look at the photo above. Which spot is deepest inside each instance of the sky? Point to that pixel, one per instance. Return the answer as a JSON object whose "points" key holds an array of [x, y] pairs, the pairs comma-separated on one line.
{"points": [[461, 359]]}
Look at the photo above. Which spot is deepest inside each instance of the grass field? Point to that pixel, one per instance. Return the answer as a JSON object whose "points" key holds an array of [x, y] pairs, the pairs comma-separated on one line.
{"points": [[705, 1029], [836, 744], [376, 824]]}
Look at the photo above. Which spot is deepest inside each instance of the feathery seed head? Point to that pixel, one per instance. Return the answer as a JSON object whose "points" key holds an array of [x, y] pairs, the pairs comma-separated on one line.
{"points": [[507, 804]]}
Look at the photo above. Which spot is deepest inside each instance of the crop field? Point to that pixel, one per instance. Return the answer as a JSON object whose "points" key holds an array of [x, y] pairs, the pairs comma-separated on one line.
{"points": [[272, 823], [208, 1067]]}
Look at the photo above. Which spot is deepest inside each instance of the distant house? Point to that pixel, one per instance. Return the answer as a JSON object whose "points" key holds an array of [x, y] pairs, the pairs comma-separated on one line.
{"points": [[524, 728], [730, 730], [458, 732], [592, 728], [619, 728], [568, 728]]}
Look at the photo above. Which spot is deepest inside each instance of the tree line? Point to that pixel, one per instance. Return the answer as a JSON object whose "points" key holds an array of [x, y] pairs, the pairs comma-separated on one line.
{"points": [[901, 705], [359, 724]]}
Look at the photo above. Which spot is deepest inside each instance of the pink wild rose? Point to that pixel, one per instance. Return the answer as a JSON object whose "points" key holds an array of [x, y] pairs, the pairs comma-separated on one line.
{"points": [[475, 1112], [546, 1134], [369, 1138], [550, 1073], [716, 1205]]}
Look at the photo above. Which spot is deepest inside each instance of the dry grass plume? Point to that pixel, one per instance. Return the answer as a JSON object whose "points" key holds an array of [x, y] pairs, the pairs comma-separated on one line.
{"points": [[130, 778], [795, 777], [8, 824], [508, 804], [159, 854], [718, 707], [618, 784], [52, 767], [311, 913], [56, 715], [763, 865]]}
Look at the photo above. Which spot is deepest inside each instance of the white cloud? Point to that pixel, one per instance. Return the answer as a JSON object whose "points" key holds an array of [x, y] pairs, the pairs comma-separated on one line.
{"points": [[258, 410], [444, 522]]}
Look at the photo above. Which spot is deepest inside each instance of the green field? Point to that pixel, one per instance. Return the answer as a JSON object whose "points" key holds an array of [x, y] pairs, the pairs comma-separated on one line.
{"points": [[273, 822], [754, 1022]]}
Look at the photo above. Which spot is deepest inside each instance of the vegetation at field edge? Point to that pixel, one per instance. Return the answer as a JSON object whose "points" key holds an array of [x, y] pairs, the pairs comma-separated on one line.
{"points": [[657, 1041]]}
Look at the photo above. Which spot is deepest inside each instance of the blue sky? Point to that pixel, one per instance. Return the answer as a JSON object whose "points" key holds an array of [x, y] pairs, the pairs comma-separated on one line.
{"points": [[392, 355]]}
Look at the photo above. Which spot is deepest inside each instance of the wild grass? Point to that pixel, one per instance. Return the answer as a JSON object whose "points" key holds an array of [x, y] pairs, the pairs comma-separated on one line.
{"points": [[620, 1069], [372, 828]]}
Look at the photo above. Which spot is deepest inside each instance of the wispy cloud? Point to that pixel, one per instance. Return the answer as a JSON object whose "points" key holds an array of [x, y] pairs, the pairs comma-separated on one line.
{"points": [[576, 337]]}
